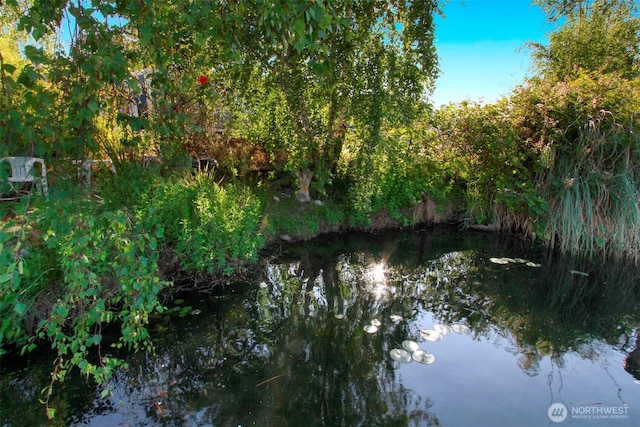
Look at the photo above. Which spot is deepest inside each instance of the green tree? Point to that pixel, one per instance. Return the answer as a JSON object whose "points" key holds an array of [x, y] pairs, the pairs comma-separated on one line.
{"points": [[16, 77], [597, 36], [572, 9], [334, 63]]}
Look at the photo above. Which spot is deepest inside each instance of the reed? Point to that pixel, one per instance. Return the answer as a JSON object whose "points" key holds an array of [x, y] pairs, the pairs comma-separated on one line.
{"points": [[593, 191]]}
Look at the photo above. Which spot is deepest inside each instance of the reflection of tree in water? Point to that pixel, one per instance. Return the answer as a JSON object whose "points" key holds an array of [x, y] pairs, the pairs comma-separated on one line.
{"points": [[560, 308], [276, 356], [21, 392], [292, 351], [566, 305], [632, 362], [345, 375], [284, 358]]}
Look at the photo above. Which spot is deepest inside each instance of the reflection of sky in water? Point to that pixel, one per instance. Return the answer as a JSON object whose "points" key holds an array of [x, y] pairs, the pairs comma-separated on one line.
{"points": [[479, 378]]}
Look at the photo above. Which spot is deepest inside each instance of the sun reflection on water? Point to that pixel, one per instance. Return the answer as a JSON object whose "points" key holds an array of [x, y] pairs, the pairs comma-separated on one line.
{"points": [[376, 279], [378, 272]]}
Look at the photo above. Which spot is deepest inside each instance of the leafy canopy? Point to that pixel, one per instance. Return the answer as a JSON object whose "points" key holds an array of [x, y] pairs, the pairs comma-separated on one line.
{"points": [[333, 62], [599, 36]]}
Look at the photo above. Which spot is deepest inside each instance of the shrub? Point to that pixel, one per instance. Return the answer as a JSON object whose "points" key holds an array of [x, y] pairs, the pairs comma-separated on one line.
{"points": [[586, 132], [488, 160], [397, 174], [208, 225], [102, 271]]}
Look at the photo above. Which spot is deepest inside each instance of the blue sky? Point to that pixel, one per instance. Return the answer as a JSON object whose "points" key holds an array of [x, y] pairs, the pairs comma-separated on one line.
{"points": [[478, 42]]}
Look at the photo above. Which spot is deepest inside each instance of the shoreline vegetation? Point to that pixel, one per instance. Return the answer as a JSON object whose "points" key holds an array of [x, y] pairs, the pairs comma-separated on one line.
{"points": [[183, 144]]}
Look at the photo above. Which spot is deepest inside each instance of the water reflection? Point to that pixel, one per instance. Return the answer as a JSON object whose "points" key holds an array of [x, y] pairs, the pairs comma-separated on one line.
{"points": [[632, 362], [289, 349]]}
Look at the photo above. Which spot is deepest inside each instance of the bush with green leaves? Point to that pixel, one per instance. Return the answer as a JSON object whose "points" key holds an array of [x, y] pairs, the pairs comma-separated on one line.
{"points": [[396, 175], [103, 274], [489, 161], [586, 131], [581, 113], [591, 180], [287, 216], [209, 226]]}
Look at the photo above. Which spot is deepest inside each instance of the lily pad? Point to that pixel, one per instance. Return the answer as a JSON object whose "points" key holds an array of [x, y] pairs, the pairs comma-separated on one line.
{"points": [[395, 318], [443, 329], [423, 357], [400, 355], [431, 335], [461, 329], [371, 329], [376, 323], [410, 345]]}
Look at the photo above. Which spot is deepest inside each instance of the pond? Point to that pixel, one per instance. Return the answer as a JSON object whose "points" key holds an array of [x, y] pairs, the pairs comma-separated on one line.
{"points": [[423, 328]]}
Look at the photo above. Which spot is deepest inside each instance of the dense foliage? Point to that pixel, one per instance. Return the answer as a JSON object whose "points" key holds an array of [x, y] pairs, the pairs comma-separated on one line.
{"points": [[266, 98], [582, 114]]}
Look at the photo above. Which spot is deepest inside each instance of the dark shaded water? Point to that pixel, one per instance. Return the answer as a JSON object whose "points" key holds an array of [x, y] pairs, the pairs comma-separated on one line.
{"points": [[290, 349]]}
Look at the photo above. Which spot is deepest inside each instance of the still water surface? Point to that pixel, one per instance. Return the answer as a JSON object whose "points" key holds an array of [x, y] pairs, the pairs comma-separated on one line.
{"points": [[290, 348]]}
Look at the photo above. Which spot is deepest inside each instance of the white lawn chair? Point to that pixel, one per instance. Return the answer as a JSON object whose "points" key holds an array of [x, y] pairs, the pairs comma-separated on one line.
{"points": [[22, 171]]}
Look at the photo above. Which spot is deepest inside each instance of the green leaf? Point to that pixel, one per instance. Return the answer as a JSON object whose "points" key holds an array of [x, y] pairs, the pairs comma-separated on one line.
{"points": [[62, 311], [299, 45], [146, 33], [34, 54], [299, 27], [316, 13], [95, 339], [10, 69], [5, 277], [325, 22], [15, 122], [93, 105], [20, 308]]}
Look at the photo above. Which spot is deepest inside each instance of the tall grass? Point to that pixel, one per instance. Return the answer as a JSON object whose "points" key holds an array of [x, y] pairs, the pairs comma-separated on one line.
{"points": [[594, 192]]}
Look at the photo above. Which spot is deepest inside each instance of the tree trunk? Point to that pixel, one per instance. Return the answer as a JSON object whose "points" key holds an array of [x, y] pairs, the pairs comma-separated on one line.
{"points": [[304, 177]]}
